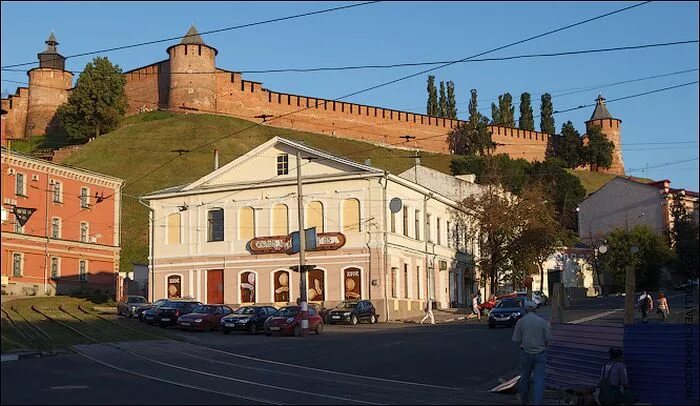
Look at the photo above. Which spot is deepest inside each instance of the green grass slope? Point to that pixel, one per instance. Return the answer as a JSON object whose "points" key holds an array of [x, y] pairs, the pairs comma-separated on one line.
{"points": [[145, 142]]}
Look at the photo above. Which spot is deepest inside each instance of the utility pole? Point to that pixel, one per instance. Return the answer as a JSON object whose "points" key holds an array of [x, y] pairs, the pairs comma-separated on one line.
{"points": [[630, 282], [302, 254]]}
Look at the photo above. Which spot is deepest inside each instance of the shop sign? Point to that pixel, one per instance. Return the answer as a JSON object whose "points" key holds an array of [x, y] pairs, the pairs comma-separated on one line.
{"points": [[22, 214], [283, 243]]}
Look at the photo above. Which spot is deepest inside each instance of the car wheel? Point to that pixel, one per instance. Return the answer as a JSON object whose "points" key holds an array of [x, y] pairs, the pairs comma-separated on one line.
{"points": [[372, 319], [253, 330], [319, 329], [297, 331], [353, 319]]}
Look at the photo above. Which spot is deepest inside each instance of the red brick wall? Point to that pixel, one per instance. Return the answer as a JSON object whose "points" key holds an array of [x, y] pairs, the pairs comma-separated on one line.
{"points": [[16, 107], [48, 89], [610, 127], [144, 88]]}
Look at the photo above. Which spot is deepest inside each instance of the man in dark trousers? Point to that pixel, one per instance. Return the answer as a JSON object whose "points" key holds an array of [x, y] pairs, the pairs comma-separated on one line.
{"points": [[532, 333]]}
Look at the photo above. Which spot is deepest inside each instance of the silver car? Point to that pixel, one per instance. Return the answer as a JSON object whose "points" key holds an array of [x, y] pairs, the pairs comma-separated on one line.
{"points": [[129, 304]]}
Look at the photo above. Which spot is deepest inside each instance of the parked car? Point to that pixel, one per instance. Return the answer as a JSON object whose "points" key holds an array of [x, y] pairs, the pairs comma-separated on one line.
{"points": [[287, 320], [507, 312], [128, 304], [169, 313], [248, 318], [539, 298], [150, 316], [204, 317], [141, 310], [353, 312]]}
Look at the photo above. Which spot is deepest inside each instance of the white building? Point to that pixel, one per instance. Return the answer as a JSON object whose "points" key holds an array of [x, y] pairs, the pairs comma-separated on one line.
{"points": [[223, 238], [573, 268]]}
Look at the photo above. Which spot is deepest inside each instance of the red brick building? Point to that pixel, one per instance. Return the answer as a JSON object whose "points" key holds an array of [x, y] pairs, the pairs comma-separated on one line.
{"points": [[60, 228]]}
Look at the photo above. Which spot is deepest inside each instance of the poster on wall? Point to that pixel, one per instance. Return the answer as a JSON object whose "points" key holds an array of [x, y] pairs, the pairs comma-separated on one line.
{"points": [[316, 287], [247, 287], [353, 286], [281, 286], [174, 287]]}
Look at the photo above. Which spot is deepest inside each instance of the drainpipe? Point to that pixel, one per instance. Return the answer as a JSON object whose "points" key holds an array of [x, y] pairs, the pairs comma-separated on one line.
{"points": [[426, 236], [369, 239], [386, 242], [151, 248], [118, 240], [46, 247]]}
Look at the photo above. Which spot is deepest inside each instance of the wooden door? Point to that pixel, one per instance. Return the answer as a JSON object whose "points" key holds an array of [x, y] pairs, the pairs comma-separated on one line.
{"points": [[215, 286]]}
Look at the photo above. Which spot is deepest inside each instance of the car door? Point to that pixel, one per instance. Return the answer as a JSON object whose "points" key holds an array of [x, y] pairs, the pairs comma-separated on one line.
{"points": [[260, 316], [313, 318], [362, 310]]}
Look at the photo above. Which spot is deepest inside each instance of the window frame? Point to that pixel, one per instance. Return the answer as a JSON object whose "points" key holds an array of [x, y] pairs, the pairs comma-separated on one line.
{"points": [[283, 160], [16, 255], [406, 288], [57, 264], [87, 231], [20, 184], [84, 197], [83, 265], [416, 225], [439, 232], [211, 226], [56, 228], [57, 192], [405, 221]]}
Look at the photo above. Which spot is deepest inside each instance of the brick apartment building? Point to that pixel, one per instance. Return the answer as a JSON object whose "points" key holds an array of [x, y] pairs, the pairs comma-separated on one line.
{"points": [[60, 228]]}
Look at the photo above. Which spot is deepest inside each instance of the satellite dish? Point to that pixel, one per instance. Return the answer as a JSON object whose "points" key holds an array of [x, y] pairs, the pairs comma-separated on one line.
{"points": [[395, 205]]}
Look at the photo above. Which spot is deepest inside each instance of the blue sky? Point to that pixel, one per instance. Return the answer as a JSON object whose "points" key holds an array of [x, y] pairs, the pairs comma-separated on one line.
{"points": [[394, 32]]}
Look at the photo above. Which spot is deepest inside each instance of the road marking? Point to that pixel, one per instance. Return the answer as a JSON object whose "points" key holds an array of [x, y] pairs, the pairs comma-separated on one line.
{"points": [[176, 383], [67, 387], [595, 316]]}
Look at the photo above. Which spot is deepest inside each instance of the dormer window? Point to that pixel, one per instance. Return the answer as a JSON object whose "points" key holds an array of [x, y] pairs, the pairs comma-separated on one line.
{"points": [[283, 164]]}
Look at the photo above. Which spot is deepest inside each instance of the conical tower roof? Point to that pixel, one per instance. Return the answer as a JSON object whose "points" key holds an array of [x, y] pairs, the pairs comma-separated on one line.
{"points": [[600, 111], [52, 38], [192, 37]]}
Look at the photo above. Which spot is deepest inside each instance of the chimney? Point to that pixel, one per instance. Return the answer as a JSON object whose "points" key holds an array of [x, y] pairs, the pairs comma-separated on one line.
{"points": [[216, 159]]}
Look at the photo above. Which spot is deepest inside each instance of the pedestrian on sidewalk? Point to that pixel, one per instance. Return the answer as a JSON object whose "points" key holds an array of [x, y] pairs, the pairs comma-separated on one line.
{"points": [[646, 303], [613, 387], [533, 334], [663, 309], [429, 312], [476, 309]]}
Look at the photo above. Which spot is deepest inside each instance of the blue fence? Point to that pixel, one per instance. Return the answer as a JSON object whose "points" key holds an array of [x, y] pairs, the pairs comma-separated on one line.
{"points": [[662, 362]]}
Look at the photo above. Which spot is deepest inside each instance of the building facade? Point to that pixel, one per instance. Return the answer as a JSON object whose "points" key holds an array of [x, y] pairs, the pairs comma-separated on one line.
{"points": [[189, 81], [573, 268], [225, 237], [60, 228]]}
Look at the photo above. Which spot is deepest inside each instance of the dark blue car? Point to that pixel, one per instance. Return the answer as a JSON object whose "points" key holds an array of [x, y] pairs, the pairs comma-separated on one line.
{"points": [[507, 312]]}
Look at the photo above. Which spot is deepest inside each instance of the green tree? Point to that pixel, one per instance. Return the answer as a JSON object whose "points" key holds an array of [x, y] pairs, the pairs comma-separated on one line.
{"points": [[496, 115], [473, 136], [451, 102], [653, 257], [432, 107], [526, 120], [97, 101], [563, 189], [442, 102], [547, 115], [506, 110], [684, 233], [599, 149], [570, 146]]}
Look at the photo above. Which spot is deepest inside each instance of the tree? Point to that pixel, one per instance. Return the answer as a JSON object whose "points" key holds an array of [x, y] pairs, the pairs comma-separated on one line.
{"points": [[562, 188], [506, 110], [97, 101], [684, 235], [442, 102], [653, 256], [526, 120], [451, 103], [496, 115], [432, 107], [598, 151], [570, 146], [514, 173], [547, 115], [473, 136]]}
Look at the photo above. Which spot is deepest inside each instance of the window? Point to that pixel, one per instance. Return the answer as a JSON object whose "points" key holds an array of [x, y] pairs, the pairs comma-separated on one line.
{"points": [[418, 289], [246, 223], [57, 195], [83, 270], [439, 231], [55, 268], [84, 197], [84, 231], [18, 227], [405, 281], [351, 215], [281, 286], [174, 227], [428, 230], [417, 225], [283, 164], [393, 222], [280, 219], [247, 287], [19, 184], [405, 221], [449, 237], [352, 284], [316, 285], [17, 264], [55, 227], [314, 216], [215, 225], [393, 282]]}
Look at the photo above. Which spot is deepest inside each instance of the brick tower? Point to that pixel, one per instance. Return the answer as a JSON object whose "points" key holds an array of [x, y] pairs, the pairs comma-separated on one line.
{"points": [[48, 88], [610, 127], [192, 77]]}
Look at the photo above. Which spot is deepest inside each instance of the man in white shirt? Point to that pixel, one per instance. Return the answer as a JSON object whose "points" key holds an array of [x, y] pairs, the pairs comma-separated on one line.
{"points": [[429, 312], [533, 334]]}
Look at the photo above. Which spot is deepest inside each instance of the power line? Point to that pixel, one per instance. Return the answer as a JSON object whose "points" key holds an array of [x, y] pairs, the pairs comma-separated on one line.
{"points": [[663, 164], [235, 27]]}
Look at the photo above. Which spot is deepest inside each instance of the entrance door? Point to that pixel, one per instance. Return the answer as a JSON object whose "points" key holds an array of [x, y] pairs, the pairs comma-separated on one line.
{"points": [[215, 286]]}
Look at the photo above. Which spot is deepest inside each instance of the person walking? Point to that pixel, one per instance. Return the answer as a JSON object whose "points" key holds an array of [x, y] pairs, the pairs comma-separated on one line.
{"points": [[475, 306], [429, 312], [533, 334], [663, 309], [613, 387], [645, 305]]}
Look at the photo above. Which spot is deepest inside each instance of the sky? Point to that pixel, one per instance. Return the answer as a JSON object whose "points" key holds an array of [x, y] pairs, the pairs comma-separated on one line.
{"points": [[658, 130]]}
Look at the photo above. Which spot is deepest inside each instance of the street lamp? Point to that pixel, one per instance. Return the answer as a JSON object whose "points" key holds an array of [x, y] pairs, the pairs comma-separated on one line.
{"points": [[599, 247]]}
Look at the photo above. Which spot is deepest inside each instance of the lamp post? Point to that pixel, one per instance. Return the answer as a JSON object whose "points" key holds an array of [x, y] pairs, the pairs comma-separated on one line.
{"points": [[599, 247]]}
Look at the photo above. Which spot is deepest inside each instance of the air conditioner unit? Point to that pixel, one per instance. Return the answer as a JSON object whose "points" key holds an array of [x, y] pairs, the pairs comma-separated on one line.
{"points": [[11, 171], [35, 178]]}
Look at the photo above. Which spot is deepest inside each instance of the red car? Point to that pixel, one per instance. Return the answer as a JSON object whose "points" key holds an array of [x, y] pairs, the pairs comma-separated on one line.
{"points": [[204, 317], [287, 321]]}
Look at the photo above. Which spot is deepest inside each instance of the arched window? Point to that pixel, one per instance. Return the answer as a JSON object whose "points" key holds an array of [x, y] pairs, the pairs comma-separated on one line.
{"points": [[246, 223], [174, 228], [351, 215], [280, 219], [352, 281], [316, 286], [314, 216], [215, 225], [281, 286], [247, 287]]}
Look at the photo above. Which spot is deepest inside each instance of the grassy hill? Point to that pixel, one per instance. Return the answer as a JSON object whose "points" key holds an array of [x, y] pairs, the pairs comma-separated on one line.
{"points": [[144, 143]]}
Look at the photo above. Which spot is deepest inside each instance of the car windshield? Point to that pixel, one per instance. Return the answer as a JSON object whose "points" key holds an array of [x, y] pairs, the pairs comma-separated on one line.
{"points": [[287, 312], [508, 303], [204, 309], [245, 310], [137, 299], [347, 305]]}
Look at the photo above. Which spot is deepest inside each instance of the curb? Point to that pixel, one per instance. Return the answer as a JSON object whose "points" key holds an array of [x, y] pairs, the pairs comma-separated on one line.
{"points": [[25, 355]]}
